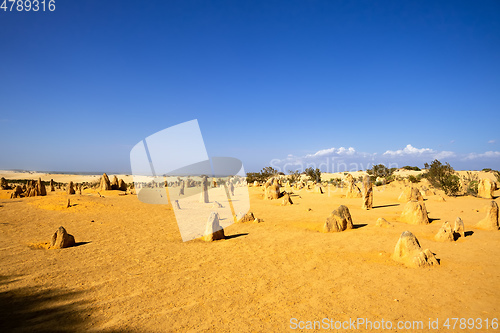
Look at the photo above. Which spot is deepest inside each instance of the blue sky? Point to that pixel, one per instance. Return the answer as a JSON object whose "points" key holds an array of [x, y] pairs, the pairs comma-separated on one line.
{"points": [[283, 81]]}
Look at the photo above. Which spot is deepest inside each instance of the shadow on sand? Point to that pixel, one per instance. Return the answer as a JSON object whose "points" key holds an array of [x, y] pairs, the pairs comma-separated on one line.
{"points": [[383, 206], [39, 309], [236, 235]]}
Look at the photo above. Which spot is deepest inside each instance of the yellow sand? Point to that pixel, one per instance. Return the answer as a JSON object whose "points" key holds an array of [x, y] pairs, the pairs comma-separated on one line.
{"points": [[130, 271]]}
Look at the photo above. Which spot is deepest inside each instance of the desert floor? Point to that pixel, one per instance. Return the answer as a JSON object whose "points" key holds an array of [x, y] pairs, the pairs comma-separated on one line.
{"points": [[130, 270]]}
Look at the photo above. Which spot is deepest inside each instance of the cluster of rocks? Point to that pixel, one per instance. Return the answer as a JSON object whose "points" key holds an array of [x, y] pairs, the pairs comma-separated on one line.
{"points": [[245, 218], [116, 184], [272, 189], [3, 184], [30, 189], [447, 234]]}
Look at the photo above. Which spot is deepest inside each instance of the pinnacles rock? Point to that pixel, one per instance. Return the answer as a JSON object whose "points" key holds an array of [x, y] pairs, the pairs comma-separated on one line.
{"points": [[213, 231], [445, 234], [204, 190], [367, 193], [3, 184], [61, 239], [243, 218], [339, 220], [122, 186], [485, 188], [415, 213], [287, 200], [52, 189], [459, 228], [181, 187], [105, 184], [40, 188], [381, 222], [410, 193], [272, 192], [409, 252], [216, 205], [70, 189], [176, 204], [353, 190], [18, 191], [490, 222]]}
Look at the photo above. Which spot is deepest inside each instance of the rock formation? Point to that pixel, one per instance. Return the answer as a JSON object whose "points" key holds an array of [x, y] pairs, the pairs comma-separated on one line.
{"points": [[485, 188], [105, 184], [40, 186], [409, 252], [18, 191], [459, 228], [3, 184], [381, 222], [353, 190], [490, 222], [243, 218], [61, 239], [70, 189], [176, 204], [367, 193], [114, 183], [410, 193], [52, 189], [445, 233], [182, 185], [272, 192], [286, 200], [339, 220], [122, 186], [216, 205], [213, 231], [415, 213], [318, 189], [204, 190]]}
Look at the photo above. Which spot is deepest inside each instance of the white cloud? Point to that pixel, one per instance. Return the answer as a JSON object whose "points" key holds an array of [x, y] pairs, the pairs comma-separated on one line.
{"points": [[444, 154], [488, 154], [409, 150], [332, 152], [492, 141], [333, 159]]}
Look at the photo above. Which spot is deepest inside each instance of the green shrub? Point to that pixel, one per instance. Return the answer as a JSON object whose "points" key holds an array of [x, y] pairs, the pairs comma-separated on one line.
{"points": [[263, 175], [294, 176], [497, 175], [443, 176], [336, 182], [313, 174], [487, 170], [407, 167], [381, 171], [413, 179], [470, 183]]}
